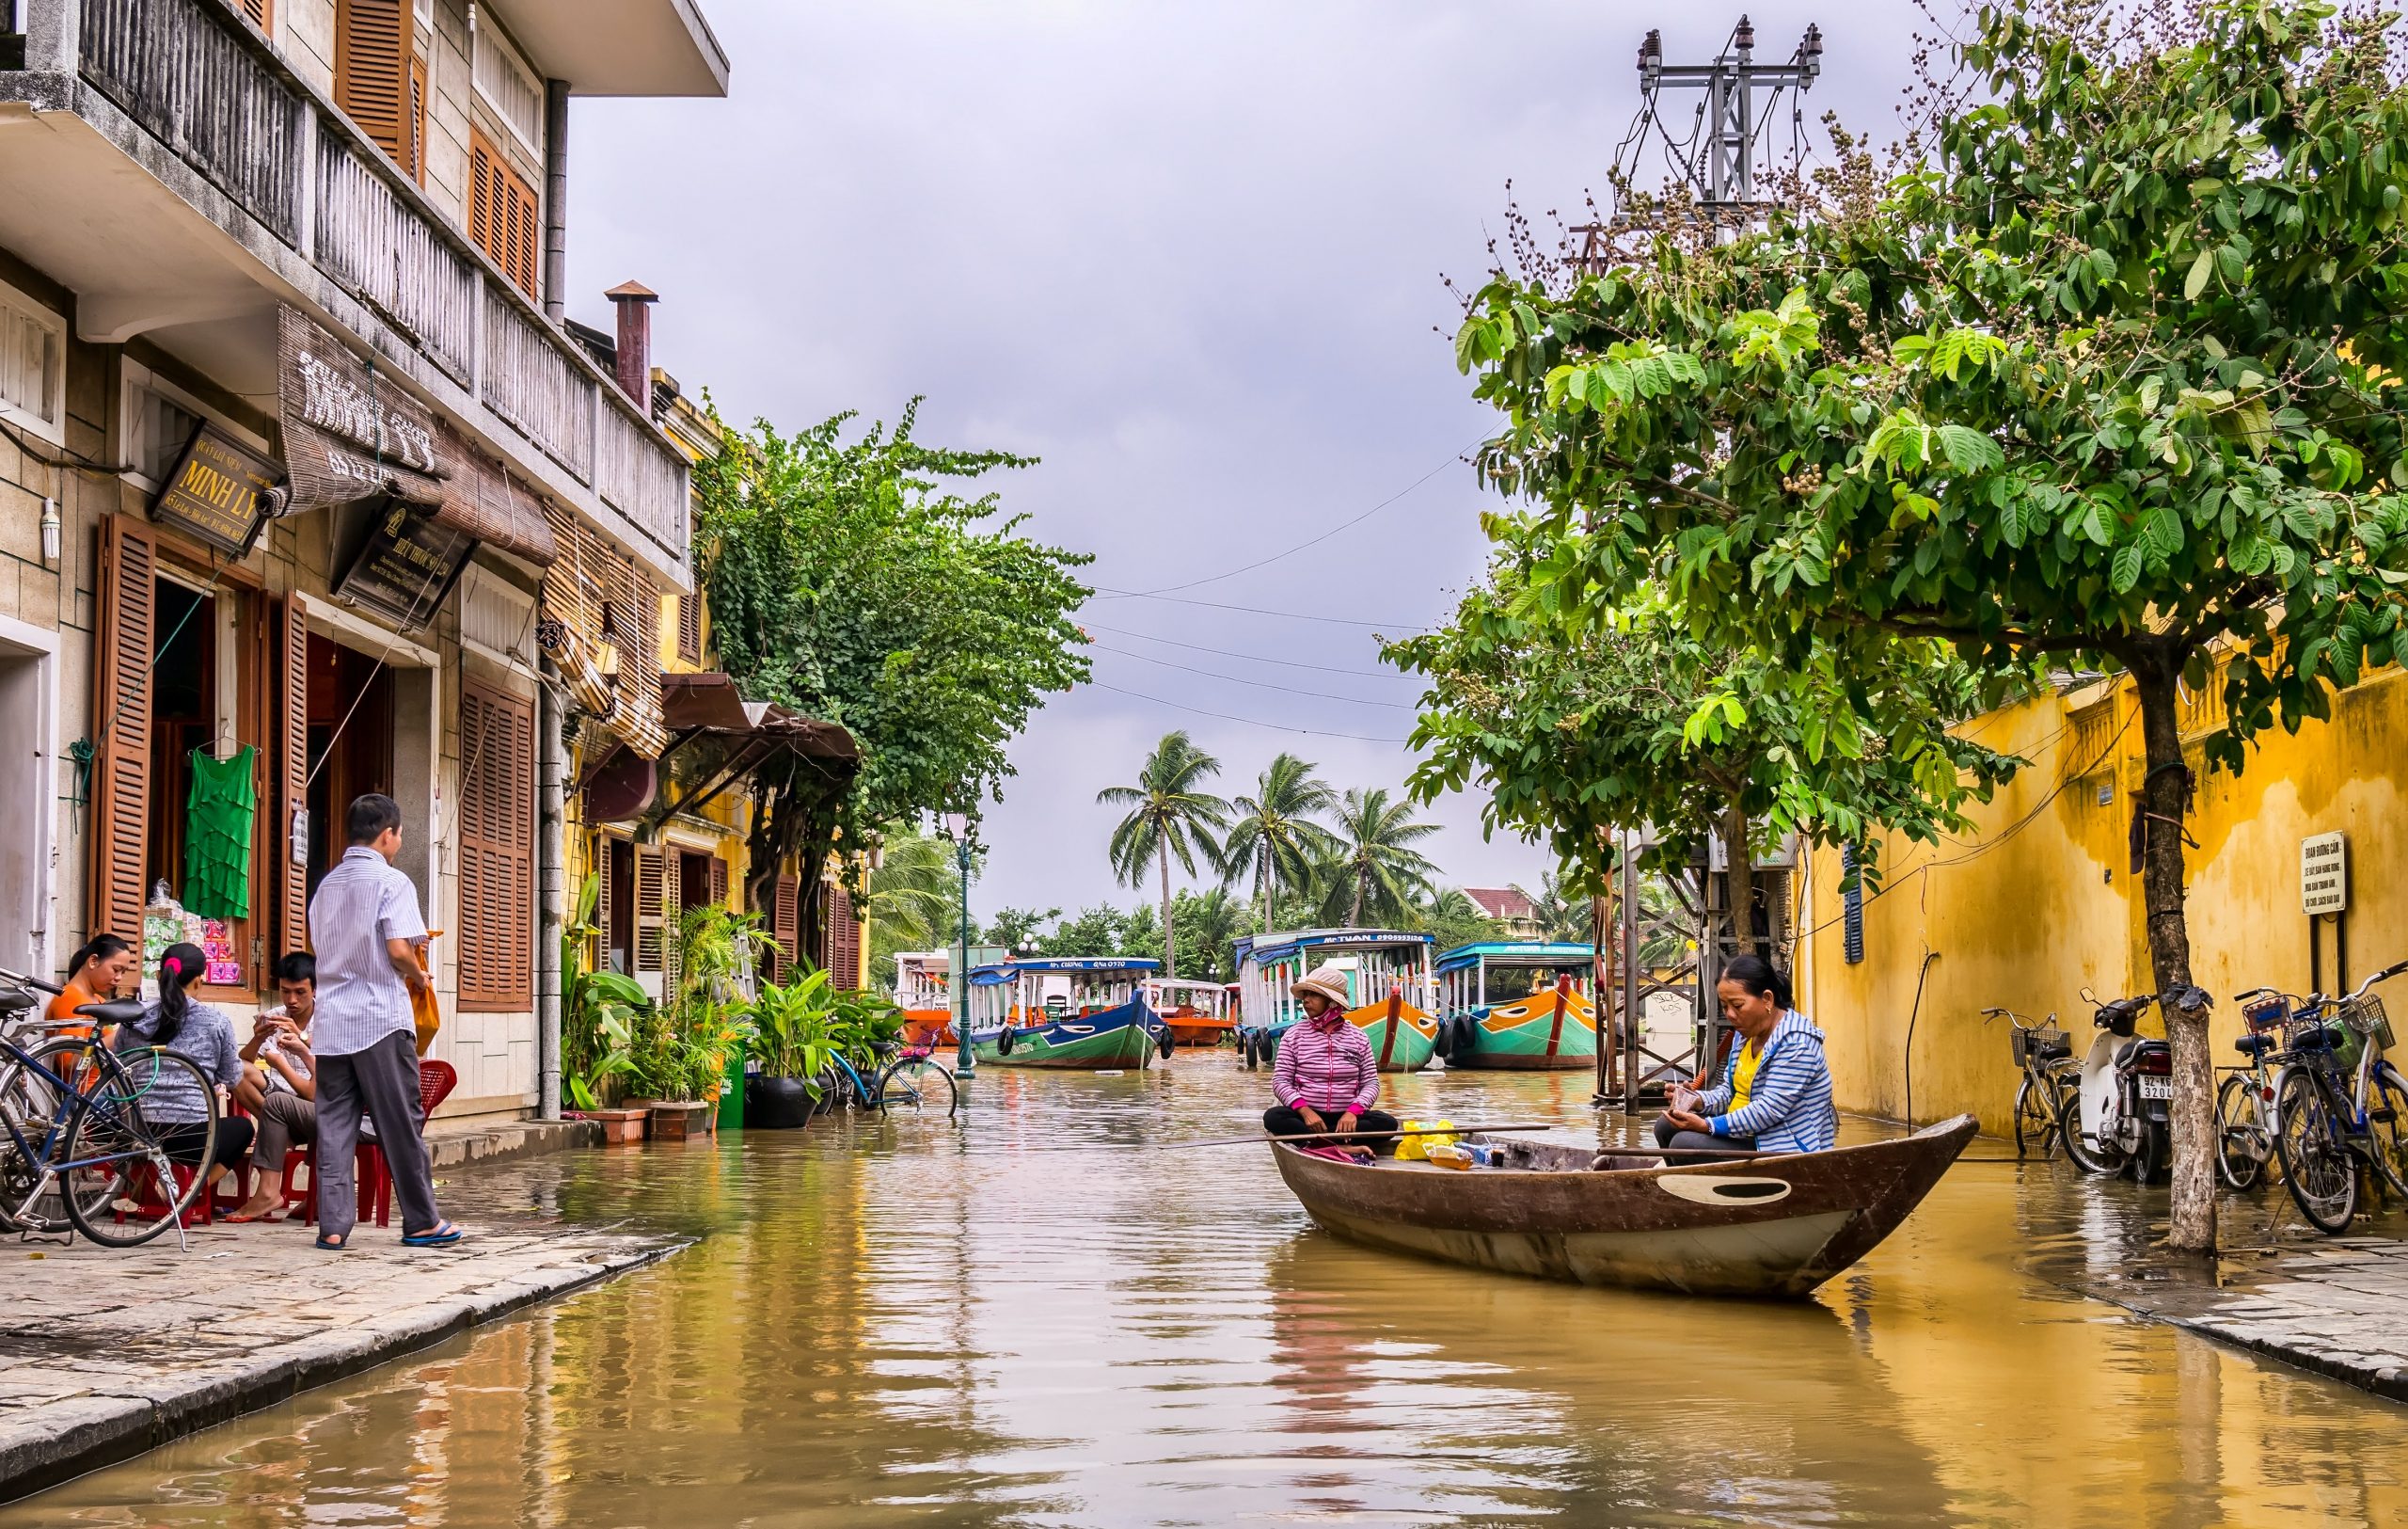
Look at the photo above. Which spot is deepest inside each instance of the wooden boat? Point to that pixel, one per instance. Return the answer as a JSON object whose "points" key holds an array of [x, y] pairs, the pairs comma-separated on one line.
{"points": [[1195, 1013], [1387, 976], [1083, 1013], [921, 990], [1760, 1226], [1518, 1005]]}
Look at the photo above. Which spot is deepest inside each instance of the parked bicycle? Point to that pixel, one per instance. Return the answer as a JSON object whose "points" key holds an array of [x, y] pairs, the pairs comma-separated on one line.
{"points": [[2044, 1056], [2245, 1100], [912, 1080], [76, 1151], [2340, 1107]]}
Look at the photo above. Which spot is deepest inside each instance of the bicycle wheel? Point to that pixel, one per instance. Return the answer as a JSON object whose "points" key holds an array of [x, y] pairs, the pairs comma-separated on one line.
{"points": [[2387, 1125], [125, 1161], [35, 1100], [2032, 1117], [2244, 1139], [2322, 1173], [917, 1083]]}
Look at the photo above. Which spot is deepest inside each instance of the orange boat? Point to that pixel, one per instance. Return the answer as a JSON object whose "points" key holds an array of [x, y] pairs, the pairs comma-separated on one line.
{"points": [[921, 990], [1196, 1012]]}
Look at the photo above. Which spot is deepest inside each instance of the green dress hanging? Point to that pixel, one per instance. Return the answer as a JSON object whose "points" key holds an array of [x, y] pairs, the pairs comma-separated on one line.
{"points": [[217, 836]]}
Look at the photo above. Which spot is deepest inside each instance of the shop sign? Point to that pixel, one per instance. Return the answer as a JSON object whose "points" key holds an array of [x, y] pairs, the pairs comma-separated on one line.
{"points": [[220, 492], [350, 433], [405, 565], [2324, 874]]}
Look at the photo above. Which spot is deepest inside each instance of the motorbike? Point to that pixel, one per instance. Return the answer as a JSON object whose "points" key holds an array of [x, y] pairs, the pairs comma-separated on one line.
{"points": [[2126, 1092]]}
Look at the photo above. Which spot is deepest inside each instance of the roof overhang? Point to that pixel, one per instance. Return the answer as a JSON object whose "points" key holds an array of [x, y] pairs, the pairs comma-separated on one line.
{"points": [[620, 47], [710, 703]]}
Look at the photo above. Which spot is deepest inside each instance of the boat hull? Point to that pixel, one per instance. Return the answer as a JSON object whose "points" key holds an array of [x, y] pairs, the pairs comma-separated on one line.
{"points": [[1113, 1038], [1415, 1043], [1549, 1031], [1765, 1227]]}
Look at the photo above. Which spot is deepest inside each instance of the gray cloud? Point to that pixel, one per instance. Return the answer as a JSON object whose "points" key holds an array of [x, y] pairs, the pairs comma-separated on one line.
{"points": [[1189, 254]]}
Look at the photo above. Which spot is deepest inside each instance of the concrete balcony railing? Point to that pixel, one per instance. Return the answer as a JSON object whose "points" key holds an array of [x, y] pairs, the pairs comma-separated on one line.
{"points": [[196, 78]]}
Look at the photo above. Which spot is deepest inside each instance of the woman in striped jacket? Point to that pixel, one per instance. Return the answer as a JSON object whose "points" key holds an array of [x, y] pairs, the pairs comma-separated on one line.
{"points": [[1775, 1093]]}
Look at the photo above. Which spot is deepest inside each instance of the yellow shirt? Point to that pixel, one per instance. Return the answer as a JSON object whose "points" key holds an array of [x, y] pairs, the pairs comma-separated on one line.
{"points": [[1743, 1077]]}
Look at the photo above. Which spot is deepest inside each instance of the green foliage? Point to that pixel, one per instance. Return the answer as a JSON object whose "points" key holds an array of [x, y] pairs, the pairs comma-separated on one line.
{"points": [[1017, 929], [680, 1049], [915, 897], [1371, 875], [598, 1008], [1275, 836], [1451, 917], [1169, 816], [804, 1026]]}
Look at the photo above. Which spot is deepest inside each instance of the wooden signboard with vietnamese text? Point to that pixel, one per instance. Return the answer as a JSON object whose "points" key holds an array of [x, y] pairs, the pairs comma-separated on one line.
{"points": [[219, 492], [405, 565]]}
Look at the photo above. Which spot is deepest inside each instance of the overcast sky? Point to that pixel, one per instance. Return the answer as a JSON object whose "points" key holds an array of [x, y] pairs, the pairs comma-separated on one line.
{"points": [[1190, 255]]}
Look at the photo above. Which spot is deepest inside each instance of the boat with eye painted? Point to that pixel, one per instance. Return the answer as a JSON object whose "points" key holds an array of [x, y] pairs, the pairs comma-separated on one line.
{"points": [[1518, 1006], [1085, 1012], [1770, 1226]]}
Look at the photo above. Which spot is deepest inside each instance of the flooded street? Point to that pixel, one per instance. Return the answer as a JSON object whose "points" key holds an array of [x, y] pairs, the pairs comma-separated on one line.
{"points": [[913, 1323]]}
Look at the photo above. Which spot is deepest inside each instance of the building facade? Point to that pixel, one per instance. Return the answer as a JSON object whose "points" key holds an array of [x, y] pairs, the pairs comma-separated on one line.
{"points": [[302, 477]]}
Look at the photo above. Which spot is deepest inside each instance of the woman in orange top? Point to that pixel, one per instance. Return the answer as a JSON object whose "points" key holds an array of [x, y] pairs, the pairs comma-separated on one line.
{"points": [[94, 975]]}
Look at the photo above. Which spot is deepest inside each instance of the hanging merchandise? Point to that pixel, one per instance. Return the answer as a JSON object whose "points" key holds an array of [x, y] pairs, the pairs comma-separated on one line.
{"points": [[217, 834]]}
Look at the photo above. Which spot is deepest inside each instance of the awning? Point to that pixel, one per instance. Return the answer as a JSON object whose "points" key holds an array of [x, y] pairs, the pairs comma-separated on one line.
{"points": [[352, 433], [710, 703]]}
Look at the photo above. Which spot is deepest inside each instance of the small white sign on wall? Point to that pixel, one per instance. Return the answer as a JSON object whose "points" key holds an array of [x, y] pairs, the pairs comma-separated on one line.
{"points": [[2324, 873]]}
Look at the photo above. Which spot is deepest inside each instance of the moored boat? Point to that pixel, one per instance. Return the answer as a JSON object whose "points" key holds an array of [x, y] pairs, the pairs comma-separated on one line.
{"points": [[1392, 995], [1760, 1226], [921, 991], [1088, 1012], [1195, 1013], [1518, 1005]]}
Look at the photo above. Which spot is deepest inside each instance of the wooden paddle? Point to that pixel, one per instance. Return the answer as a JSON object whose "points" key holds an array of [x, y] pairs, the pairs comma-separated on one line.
{"points": [[1258, 1139]]}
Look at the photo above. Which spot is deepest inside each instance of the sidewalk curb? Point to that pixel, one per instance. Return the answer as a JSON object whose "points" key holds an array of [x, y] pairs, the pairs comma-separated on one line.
{"points": [[2385, 1381], [42, 1446]]}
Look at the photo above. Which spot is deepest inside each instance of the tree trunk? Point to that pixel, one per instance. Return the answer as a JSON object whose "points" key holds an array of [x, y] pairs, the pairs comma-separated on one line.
{"points": [[1267, 881], [1739, 880], [1355, 918], [2165, 797], [1170, 941]]}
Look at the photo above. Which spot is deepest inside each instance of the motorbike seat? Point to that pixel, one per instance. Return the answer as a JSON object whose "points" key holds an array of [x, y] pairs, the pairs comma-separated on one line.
{"points": [[2132, 1051], [2254, 1045], [2315, 1038]]}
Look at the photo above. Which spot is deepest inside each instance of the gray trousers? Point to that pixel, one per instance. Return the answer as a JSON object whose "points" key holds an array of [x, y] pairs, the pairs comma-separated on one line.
{"points": [[1668, 1135], [380, 1081], [283, 1119]]}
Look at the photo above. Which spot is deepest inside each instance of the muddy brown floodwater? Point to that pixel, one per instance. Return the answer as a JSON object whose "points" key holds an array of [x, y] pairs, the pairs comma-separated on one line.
{"points": [[911, 1324]]}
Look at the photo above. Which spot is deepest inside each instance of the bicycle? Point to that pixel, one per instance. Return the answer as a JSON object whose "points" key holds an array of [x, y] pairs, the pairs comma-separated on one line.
{"points": [[914, 1079], [2045, 1058], [73, 1138], [2246, 1099], [2335, 1115]]}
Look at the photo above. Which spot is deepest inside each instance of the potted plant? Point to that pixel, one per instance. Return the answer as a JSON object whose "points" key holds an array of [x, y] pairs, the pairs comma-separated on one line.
{"points": [[793, 1039], [598, 1013], [677, 1052]]}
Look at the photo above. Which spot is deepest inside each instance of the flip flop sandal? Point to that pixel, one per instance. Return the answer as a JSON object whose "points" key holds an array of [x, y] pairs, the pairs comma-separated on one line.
{"points": [[335, 1245], [442, 1234]]}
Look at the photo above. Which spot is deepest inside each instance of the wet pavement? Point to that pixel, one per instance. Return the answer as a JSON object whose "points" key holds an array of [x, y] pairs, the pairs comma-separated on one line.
{"points": [[913, 1322]]}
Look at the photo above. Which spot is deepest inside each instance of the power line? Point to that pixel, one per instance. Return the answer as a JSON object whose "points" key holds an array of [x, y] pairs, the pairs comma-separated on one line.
{"points": [[1343, 525], [1107, 592], [1260, 684], [1250, 657], [1251, 722]]}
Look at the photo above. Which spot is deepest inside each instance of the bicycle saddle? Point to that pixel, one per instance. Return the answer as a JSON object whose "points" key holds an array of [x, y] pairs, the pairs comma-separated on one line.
{"points": [[2254, 1045], [15, 1000], [114, 1011]]}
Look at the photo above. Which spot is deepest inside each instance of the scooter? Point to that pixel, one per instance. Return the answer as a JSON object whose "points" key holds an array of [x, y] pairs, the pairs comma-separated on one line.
{"points": [[2126, 1092]]}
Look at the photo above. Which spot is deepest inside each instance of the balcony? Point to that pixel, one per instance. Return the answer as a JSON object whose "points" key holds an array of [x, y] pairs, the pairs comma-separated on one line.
{"points": [[161, 161]]}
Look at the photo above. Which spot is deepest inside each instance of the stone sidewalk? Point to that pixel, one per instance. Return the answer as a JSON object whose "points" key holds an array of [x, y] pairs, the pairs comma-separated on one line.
{"points": [[106, 1354]]}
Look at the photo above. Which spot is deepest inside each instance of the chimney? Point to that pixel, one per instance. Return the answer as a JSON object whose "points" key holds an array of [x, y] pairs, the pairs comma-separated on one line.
{"points": [[634, 302]]}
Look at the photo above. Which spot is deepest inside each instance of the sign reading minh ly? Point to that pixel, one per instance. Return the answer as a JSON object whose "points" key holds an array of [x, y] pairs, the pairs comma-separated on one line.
{"points": [[2324, 874], [219, 492]]}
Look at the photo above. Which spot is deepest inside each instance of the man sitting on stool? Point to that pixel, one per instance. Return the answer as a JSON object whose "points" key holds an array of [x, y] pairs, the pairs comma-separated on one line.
{"points": [[1326, 1076]]}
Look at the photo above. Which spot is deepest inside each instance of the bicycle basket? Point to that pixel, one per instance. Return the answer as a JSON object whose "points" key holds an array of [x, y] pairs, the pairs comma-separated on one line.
{"points": [[2040, 1043], [2366, 1015], [2265, 1015]]}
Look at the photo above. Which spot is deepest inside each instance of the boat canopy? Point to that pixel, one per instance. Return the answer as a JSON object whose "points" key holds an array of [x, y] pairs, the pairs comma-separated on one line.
{"points": [[1516, 953], [1053, 987], [1080, 964], [1263, 949], [1375, 962]]}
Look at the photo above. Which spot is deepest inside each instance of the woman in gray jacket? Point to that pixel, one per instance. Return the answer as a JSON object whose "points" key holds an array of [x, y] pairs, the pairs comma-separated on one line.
{"points": [[172, 1104]]}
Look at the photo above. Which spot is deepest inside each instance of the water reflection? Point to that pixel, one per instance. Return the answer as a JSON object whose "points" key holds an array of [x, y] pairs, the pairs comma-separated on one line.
{"points": [[900, 1323]]}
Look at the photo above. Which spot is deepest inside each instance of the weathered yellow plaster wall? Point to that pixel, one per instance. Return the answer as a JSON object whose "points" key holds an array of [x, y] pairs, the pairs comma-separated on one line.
{"points": [[2039, 900]]}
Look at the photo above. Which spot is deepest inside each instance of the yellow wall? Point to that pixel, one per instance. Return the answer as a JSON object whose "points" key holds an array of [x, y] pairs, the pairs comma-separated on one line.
{"points": [[2039, 900]]}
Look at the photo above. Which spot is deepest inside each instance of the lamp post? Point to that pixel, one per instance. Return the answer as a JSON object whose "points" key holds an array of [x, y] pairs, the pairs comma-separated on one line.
{"points": [[956, 827]]}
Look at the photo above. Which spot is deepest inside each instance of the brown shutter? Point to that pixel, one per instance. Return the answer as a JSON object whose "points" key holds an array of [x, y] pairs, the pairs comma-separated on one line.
{"points": [[606, 905], [784, 925], [291, 877], [128, 600], [497, 945], [719, 882], [844, 940], [650, 946], [373, 70], [504, 217], [690, 627], [417, 163], [261, 12]]}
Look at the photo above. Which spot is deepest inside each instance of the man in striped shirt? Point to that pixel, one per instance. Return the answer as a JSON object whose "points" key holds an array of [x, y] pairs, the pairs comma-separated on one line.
{"points": [[1326, 1078]]}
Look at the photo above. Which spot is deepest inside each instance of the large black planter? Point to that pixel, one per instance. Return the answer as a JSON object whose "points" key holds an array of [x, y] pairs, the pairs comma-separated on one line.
{"points": [[776, 1103]]}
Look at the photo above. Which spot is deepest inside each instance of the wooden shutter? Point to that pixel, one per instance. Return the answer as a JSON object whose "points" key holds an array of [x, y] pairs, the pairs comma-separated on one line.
{"points": [[606, 906], [373, 46], [505, 218], [261, 12], [844, 940], [497, 944], [719, 882], [291, 877], [690, 627], [416, 164], [651, 948], [785, 925], [128, 602]]}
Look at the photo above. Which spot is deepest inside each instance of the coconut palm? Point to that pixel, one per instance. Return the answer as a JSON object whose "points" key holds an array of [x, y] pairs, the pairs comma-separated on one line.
{"points": [[1274, 837], [914, 896], [1374, 871], [1213, 922], [1561, 914], [1167, 816]]}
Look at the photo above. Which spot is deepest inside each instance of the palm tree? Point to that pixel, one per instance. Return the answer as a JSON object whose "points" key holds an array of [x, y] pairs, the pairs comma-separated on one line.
{"points": [[1375, 872], [1213, 922], [1561, 914], [914, 896], [1275, 836], [1167, 816]]}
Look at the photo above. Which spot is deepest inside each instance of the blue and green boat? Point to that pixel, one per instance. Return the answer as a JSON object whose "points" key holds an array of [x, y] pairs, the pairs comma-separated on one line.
{"points": [[1085, 1014], [1518, 1006], [1393, 996]]}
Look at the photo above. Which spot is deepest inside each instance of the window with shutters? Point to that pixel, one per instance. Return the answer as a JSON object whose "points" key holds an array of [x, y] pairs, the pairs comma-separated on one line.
{"points": [[508, 86], [504, 217], [1851, 907], [33, 366], [497, 842], [690, 627], [843, 948], [378, 77], [785, 925]]}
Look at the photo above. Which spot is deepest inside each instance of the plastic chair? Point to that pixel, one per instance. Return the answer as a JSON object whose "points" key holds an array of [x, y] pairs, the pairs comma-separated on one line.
{"points": [[374, 1182]]}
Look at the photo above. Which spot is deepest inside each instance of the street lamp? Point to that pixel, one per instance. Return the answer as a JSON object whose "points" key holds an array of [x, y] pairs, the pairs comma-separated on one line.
{"points": [[956, 828]]}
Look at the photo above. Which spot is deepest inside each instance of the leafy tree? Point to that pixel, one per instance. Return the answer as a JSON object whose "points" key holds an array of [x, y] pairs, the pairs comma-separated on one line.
{"points": [[1102, 930], [1212, 921], [914, 896], [1371, 871], [1449, 915], [1562, 913], [1275, 836], [1168, 815], [845, 582], [2104, 375], [1016, 929]]}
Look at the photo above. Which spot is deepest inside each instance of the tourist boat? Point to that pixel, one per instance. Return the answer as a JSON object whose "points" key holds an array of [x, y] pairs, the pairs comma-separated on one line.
{"points": [[1088, 1012], [1197, 1014], [921, 991], [1518, 1005], [1393, 995], [1756, 1226]]}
